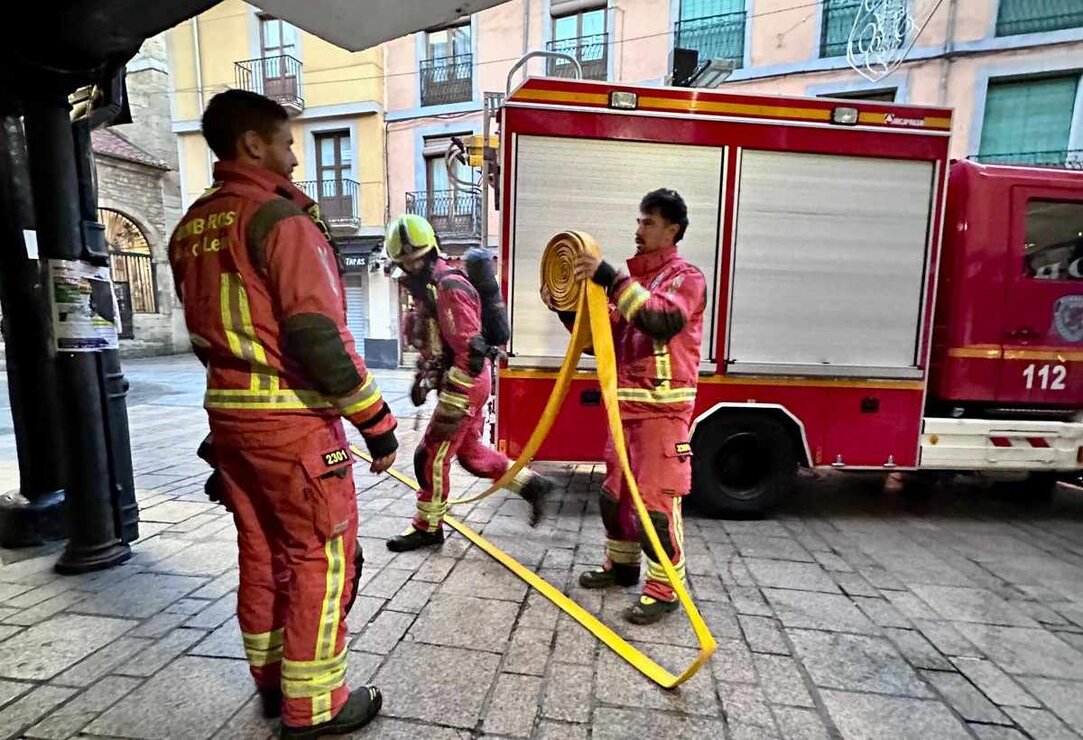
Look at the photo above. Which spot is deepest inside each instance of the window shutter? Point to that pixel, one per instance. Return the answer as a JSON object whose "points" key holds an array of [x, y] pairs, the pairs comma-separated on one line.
{"points": [[1029, 116]]}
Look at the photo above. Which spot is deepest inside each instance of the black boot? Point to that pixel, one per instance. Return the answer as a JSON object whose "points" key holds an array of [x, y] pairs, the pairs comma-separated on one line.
{"points": [[272, 702], [649, 611], [616, 575], [412, 539], [358, 711], [534, 492]]}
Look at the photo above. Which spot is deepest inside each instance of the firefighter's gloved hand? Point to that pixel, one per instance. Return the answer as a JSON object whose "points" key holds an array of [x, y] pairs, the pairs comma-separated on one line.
{"points": [[205, 451], [213, 487], [418, 391]]}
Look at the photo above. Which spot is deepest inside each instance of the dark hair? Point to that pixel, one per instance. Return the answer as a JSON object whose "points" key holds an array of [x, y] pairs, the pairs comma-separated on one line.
{"points": [[231, 113], [669, 205]]}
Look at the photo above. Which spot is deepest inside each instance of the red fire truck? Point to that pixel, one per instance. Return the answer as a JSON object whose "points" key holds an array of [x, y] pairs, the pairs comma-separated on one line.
{"points": [[871, 304]]}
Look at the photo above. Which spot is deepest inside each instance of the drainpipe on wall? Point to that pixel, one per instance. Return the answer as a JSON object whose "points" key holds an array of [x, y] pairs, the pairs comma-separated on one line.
{"points": [[526, 36], [194, 22], [949, 51]]}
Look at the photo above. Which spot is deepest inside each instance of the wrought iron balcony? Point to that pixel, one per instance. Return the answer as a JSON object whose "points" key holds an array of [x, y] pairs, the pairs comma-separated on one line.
{"points": [[455, 215], [1071, 159], [339, 201], [277, 77], [447, 79], [1037, 16], [714, 37], [592, 52]]}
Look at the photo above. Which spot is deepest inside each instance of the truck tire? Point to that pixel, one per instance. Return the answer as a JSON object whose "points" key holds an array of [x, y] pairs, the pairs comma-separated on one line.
{"points": [[743, 464]]}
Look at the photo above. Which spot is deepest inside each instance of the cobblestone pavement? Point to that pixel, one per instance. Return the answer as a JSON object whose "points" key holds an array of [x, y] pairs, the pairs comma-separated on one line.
{"points": [[850, 613]]}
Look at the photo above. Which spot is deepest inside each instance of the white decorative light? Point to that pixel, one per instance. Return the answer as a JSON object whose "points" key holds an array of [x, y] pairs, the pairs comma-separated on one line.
{"points": [[882, 36]]}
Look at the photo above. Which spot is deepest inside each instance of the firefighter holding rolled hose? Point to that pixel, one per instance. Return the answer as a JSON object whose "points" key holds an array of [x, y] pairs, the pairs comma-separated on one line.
{"points": [[451, 328], [657, 319]]}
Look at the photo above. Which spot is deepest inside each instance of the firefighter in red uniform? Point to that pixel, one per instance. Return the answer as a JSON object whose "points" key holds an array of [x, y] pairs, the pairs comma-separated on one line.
{"points": [[657, 326], [265, 309], [445, 327]]}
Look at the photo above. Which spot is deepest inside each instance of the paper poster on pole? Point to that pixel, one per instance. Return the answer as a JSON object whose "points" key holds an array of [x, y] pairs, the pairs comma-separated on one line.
{"points": [[85, 311]]}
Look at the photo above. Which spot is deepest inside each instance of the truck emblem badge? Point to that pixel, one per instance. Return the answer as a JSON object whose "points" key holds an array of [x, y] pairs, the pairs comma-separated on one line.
{"points": [[1068, 318]]}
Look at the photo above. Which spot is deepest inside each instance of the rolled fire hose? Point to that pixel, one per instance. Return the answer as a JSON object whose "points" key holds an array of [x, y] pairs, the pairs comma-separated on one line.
{"points": [[592, 327]]}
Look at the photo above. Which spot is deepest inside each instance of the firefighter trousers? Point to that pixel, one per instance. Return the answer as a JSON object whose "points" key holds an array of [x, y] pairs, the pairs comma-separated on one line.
{"points": [[432, 467], [296, 516], [660, 461]]}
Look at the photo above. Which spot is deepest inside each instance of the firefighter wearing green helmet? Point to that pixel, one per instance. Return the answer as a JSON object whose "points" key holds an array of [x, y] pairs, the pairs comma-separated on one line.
{"points": [[445, 326]]}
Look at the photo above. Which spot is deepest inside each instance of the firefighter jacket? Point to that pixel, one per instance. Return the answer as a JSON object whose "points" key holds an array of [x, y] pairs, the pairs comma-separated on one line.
{"points": [[657, 315], [265, 308], [446, 327]]}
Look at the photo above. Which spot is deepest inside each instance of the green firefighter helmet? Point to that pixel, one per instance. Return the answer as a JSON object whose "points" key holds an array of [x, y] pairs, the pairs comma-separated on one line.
{"points": [[409, 235]]}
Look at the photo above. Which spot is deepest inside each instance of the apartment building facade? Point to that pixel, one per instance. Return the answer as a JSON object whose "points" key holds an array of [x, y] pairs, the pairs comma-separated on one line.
{"points": [[336, 102]]}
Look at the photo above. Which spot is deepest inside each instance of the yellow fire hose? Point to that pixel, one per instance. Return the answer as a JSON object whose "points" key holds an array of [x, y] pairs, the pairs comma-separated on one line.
{"points": [[592, 327]]}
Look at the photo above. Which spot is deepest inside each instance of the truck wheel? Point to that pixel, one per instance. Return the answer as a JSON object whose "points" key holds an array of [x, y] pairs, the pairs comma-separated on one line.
{"points": [[1036, 488], [742, 465]]}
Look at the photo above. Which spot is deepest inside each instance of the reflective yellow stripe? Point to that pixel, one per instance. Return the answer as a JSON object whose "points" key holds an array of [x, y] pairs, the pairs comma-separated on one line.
{"points": [[241, 334], [659, 395], [282, 400], [319, 677], [262, 648], [458, 377], [623, 552], [454, 400], [631, 299], [314, 679], [655, 572], [432, 512], [663, 366], [362, 398]]}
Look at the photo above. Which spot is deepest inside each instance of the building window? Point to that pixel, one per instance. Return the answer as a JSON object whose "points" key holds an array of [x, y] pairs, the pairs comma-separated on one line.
{"points": [[1038, 16], [1054, 240], [335, 180], [839, 17], [714, 28], [1029, 121], [278, 50], [447, 72], [886, 95], [453, 209], [582, 34], [130, 262]]}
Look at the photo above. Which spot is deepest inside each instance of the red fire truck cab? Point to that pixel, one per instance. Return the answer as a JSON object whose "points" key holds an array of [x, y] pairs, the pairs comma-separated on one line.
{"points": [[871, 305]]}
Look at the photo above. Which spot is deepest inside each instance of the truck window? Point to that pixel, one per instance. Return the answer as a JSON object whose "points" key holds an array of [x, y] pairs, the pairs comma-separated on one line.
{"points": [[1053, 249]]}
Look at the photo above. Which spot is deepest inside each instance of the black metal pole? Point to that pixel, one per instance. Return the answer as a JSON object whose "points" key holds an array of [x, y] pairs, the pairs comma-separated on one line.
{"points": [[35, 512], [112, 385], [94, 542]]}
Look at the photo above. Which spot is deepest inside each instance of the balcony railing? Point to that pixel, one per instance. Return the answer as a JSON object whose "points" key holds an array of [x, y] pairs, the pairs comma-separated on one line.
{"points": [[592, 52], [1071, 159], [447, 79], [338, 199], [454, 214], [1037, 16], [714, 37], [277, 77]]}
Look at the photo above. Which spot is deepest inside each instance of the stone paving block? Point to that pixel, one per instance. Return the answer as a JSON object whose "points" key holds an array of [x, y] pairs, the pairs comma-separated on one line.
{"points": [[971, 605], [832, 562], [46, 649], [1064, 698], [889, 717], [573, 643], [513, 705], [412, 596], [463, 678], [465, 621], [172, 512], [618, 683], [102, 662], [910, 606], [31, 707], [621, 724], [211, 558], [795, 723], [9, 591], [732, 662], [881, 612], [550, 730], [772, 548], [1039, 723], [745, 704], [1027, 651], [187, 607], [384, 632], [853, 584], [857, 663], [568, 692], [249, 724], [763, 635], [485, 579], [11, 690], [881, 577], [529, 651], [9, 630], [363, 611], [790, 575], [558, 558], [46, 609], [947, 639], [216, 614], [147, 554], [994, 683], [39, 595], [385, 584], [970, 703], [220, 586], [734, 572], [806, 609], [917, 650], [79, 712], [140, 596], [190, 698], [996, 732], [782, 680], [706, 588], [749, 600], [741, 731], [160, 654], [539, 613]]}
